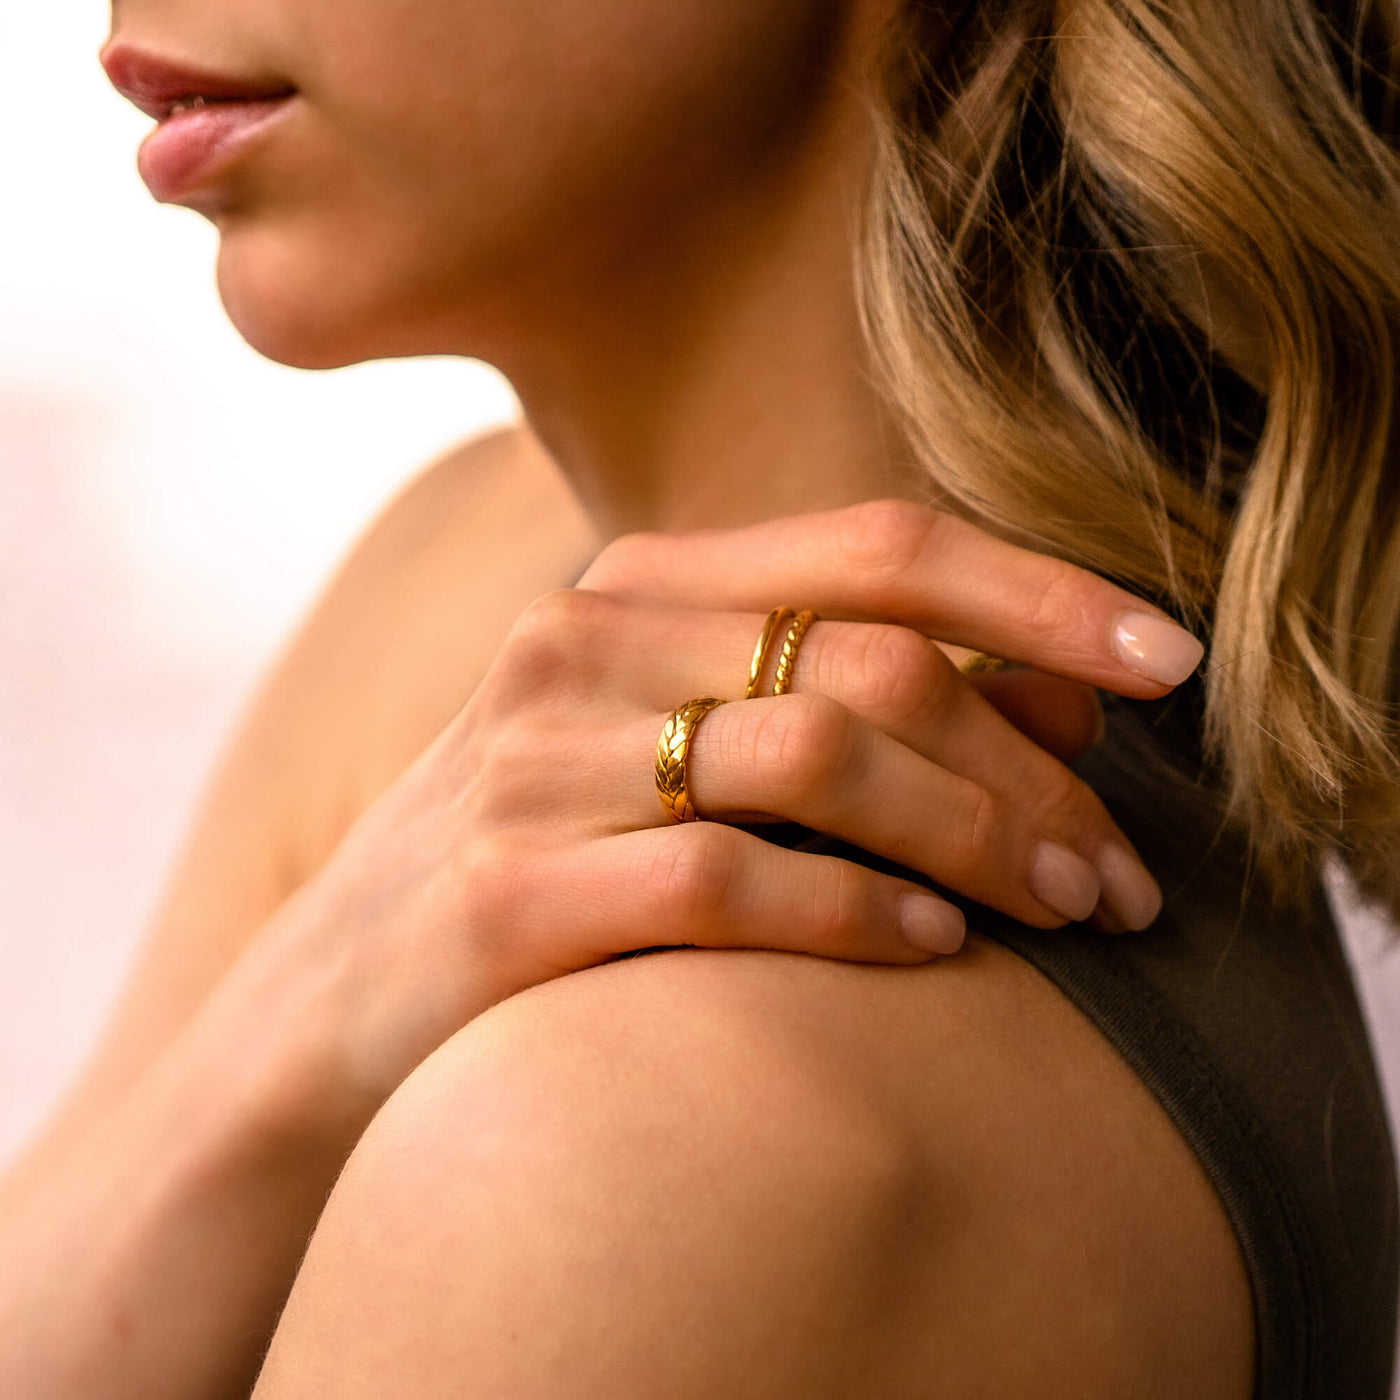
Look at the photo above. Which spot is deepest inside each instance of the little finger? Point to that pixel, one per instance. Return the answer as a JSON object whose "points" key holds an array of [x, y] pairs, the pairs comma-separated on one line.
{"points": [[714, 886]]}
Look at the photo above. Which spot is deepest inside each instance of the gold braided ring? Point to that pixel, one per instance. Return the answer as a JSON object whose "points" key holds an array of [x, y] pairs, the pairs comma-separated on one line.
{"points": [[783, 681], [980, 664], [672, 749], [776, 619]]}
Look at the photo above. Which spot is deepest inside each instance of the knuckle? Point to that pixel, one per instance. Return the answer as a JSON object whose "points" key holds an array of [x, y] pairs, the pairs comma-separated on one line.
{"points": [[882, 540], [898, 675], [693, 875], [496, 882], [843, 909], [1061, 803], [1061, 604], [977, 842], [540, 638], [512, 773], [624, 563], [1066, 808], [550, 636], [802, 747]]}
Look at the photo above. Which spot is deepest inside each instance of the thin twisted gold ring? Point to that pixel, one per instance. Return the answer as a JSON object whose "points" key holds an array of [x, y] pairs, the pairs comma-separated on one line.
{"points": [[776, 619], [782, 683], [672, 750]]}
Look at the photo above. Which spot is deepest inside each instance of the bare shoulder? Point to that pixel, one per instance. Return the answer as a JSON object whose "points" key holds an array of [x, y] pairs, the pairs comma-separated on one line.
{"points": [[397, 641], [394, 646], [407, 627], [391, 650], [756, 1174]]}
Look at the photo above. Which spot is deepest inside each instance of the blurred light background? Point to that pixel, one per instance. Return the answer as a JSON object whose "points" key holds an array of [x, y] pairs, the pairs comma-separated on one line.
{"points": [[169, 503]]}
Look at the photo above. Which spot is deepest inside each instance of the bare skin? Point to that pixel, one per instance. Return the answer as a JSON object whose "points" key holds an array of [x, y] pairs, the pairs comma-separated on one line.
{"points": [[551, 1205], [758, 1176]]}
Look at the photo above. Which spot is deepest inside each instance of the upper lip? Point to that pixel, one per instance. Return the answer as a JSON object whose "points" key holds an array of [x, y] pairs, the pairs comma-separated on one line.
{"points": [[156, 85]]}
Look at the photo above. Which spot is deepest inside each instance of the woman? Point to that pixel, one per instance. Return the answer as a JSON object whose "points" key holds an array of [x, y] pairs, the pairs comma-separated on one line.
{"points": [[1125, 293]]}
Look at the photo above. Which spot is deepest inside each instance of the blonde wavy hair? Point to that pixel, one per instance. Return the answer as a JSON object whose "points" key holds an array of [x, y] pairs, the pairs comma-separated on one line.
{"points": [[1131, 277]]}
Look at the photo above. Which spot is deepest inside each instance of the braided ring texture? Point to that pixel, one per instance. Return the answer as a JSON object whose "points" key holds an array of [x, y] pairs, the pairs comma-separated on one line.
{"points": [[788, 660], [672, 749]]}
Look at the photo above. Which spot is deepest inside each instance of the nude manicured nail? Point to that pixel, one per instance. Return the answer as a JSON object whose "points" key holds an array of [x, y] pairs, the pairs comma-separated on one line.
{"points": [[1156, 647], [1130, 894], [1063, 881], [930, 923]]}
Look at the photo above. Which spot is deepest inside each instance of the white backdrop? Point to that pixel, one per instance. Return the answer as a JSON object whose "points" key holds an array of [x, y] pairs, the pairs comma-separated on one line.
{"points": [[168, 504]]}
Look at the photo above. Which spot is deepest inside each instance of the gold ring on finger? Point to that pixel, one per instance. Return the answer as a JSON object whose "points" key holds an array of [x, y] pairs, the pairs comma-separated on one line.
{"points": [[672, 751], [979, 663], [788, 660], [776, 619]]}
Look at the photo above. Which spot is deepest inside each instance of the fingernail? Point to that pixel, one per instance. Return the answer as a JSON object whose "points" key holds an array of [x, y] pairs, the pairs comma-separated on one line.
{"points": [[931, 923], [1064, 881], [1130, 894], [1156, 647]]}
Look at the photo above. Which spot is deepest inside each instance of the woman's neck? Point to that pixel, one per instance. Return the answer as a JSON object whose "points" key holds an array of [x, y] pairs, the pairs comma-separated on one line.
{"points": [[721, 378]]}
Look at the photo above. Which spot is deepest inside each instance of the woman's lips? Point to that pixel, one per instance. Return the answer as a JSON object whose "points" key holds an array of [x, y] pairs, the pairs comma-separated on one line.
{"points": [[204, 117], [190, 146]]}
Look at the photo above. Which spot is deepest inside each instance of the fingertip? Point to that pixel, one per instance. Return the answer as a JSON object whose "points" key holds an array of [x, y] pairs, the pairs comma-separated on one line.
{"points": [[1063, 881], [1156, 648], [1130, 895], [930, 923]]}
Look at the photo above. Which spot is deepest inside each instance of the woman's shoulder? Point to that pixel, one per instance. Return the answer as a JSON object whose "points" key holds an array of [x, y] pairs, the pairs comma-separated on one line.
{"points": [[389, 652], [759, 1160], [397, 641], [413, 618]]}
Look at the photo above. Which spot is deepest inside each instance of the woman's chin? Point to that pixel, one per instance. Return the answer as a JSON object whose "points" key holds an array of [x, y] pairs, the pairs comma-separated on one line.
{"points": [[296, 346], [312, 312], [302, 332]]}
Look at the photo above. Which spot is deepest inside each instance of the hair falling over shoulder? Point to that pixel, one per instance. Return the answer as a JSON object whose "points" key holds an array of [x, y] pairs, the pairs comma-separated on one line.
{"points": [[1131, 276]]}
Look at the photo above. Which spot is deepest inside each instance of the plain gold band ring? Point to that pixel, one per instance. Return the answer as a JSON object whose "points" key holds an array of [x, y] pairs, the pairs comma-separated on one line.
{"points": [[672, 750], [788, 660], [776, 619]]}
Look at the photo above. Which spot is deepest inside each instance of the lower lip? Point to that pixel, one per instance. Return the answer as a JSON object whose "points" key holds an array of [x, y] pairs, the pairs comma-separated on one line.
{"points": [[190, 148]]}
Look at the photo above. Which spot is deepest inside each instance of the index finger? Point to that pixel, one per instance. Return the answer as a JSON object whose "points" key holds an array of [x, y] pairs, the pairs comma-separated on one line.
{"points": [[894, 561]]}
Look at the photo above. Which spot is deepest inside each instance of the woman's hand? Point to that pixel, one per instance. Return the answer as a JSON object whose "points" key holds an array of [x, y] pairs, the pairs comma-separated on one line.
{"points": [[528, 840]]}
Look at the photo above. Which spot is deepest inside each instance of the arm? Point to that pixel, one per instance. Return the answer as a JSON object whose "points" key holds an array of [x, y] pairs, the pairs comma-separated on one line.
{"points": [[150, 1257], [760, 1176]]}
